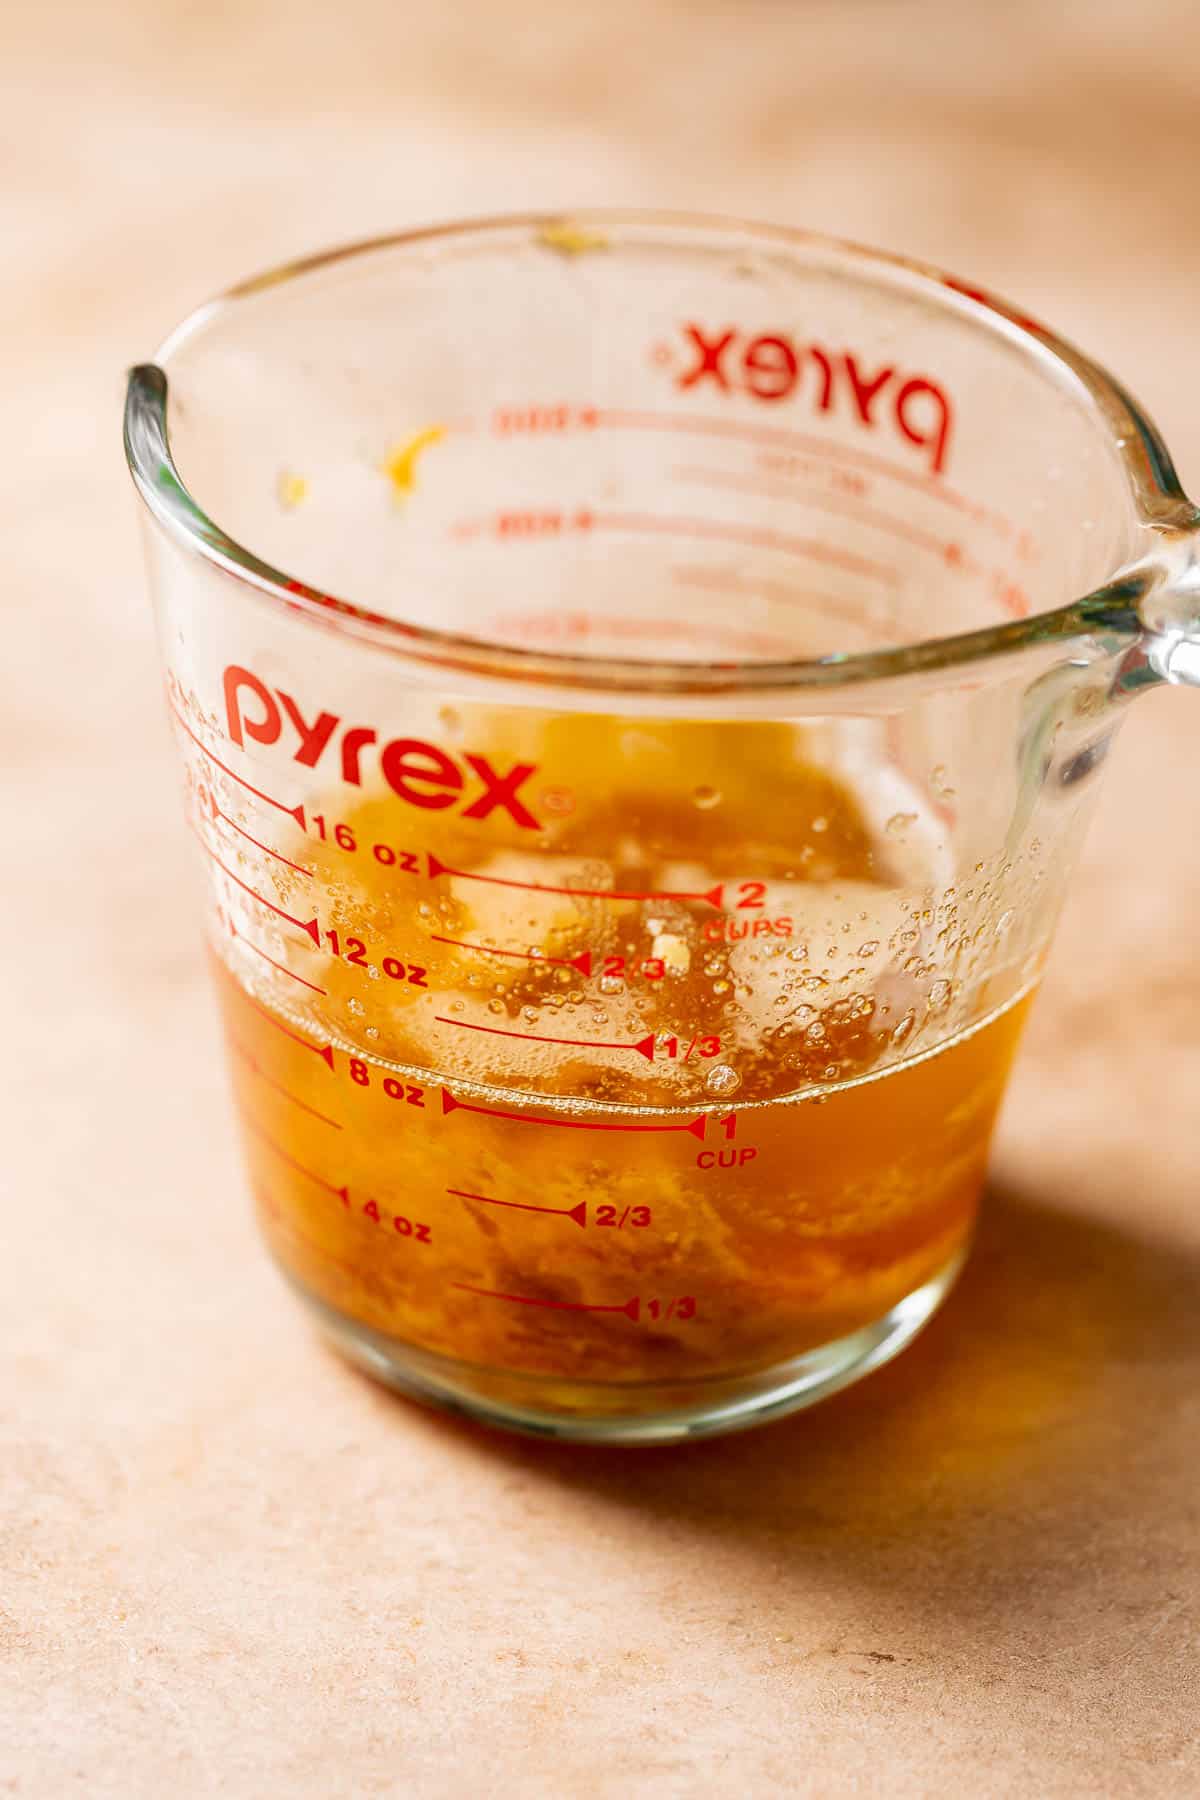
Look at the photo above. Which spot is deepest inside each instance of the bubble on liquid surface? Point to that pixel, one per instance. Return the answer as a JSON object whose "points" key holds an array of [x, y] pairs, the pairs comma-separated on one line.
{"points": [[706, 797], [722, 1079]]}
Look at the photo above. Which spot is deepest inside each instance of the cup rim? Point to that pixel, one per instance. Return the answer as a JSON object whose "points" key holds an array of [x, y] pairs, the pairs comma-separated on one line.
{"points": [[1160, 503]]}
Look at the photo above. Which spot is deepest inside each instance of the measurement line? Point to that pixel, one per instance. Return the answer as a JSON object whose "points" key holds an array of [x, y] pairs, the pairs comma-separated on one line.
{"points": [[293, 812], [251, 1063], [341, 1192], [578, 1213], [724, 581], [582, 962], [630, 1308], [695, 1126], [824, 448], [311, 926], [760, 537], [713, 895], [250, 839], [644, 1046], [841, 506], [324, 1051], [282, 967]]}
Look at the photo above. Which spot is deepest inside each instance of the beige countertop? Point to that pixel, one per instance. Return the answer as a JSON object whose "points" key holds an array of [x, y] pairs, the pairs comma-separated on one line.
{"points": [[228, 1564]]}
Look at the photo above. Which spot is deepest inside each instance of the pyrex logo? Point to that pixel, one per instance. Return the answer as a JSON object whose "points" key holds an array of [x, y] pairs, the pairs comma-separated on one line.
{"points": [[774, 366], [420, 773]]}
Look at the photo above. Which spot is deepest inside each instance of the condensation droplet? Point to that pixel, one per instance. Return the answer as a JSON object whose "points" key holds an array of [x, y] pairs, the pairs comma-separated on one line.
{"points": [[901, 822], [869, 948], [1004, 922], [450, 721], [706, 798], [722, 1079], [939, 781], [610, 984], [722, 987], [371, 1031], [356, 1006], [820, 824], [496, 1006], [940, 993], [373, 972]]}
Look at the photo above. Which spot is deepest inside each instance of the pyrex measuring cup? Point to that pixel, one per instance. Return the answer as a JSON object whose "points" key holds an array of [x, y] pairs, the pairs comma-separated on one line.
{"points": [[641, 683]]}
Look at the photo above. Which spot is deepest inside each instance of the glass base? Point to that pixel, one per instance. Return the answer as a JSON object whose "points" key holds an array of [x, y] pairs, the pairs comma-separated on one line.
{"points": [[632, 1412]]}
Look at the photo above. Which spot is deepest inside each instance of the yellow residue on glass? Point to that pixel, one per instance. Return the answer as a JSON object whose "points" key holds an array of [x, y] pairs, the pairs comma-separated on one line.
{"points": [[570, 240], [400, 466], [292, 489]]}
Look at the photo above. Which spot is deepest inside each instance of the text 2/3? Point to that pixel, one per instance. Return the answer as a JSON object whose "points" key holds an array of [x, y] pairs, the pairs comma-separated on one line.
{"points": [[353, 950], [637, 1217], [402, 1226], [387, 855]]}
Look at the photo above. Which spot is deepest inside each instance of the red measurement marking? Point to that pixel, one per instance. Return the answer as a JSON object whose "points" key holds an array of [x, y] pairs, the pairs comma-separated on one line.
{"points": [[216, 813], [644, 1046], [246, 1056], [760, 537], [293, 812], [578, 1213], [324, 1051], [725, 582], [341, 1192], [713, 895], [824, 448], [531, 526], [582, 962], [282, 967], [695, 1126], [630, 1308], [311, 926], [832, 503]]}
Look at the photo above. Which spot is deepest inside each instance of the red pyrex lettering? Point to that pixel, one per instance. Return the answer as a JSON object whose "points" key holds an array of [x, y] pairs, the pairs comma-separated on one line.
{"points": [[774, 366], [420, 773]]}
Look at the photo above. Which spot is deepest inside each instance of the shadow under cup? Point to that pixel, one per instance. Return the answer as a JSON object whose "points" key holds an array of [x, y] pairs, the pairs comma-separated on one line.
{"points": [[638, 718]]}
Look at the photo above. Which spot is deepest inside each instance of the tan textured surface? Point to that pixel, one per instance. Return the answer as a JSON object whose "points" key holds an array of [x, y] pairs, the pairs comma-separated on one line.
{"points": [[229, 1565]]}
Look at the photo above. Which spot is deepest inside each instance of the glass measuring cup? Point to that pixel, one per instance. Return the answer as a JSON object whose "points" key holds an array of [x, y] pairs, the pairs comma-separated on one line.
{"points": [[641, 683]]}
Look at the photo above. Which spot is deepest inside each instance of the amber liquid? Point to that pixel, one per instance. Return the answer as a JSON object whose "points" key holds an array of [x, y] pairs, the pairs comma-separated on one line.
{"points": [[428, 1167]]}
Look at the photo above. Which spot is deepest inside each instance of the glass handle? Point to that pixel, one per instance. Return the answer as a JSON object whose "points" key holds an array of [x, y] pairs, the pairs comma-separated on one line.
{"points": [[1170, 615]]}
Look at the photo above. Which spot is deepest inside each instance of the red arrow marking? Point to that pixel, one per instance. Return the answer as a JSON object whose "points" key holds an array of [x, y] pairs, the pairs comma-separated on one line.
{"points": [[578, 1213], [216, 814], [311, 926], [630, 1307], [300, 1169], [449, 1104], [282, 967], [240, 1051], [644, 1046], [713, 895], [582, 962], [293, 812]]}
